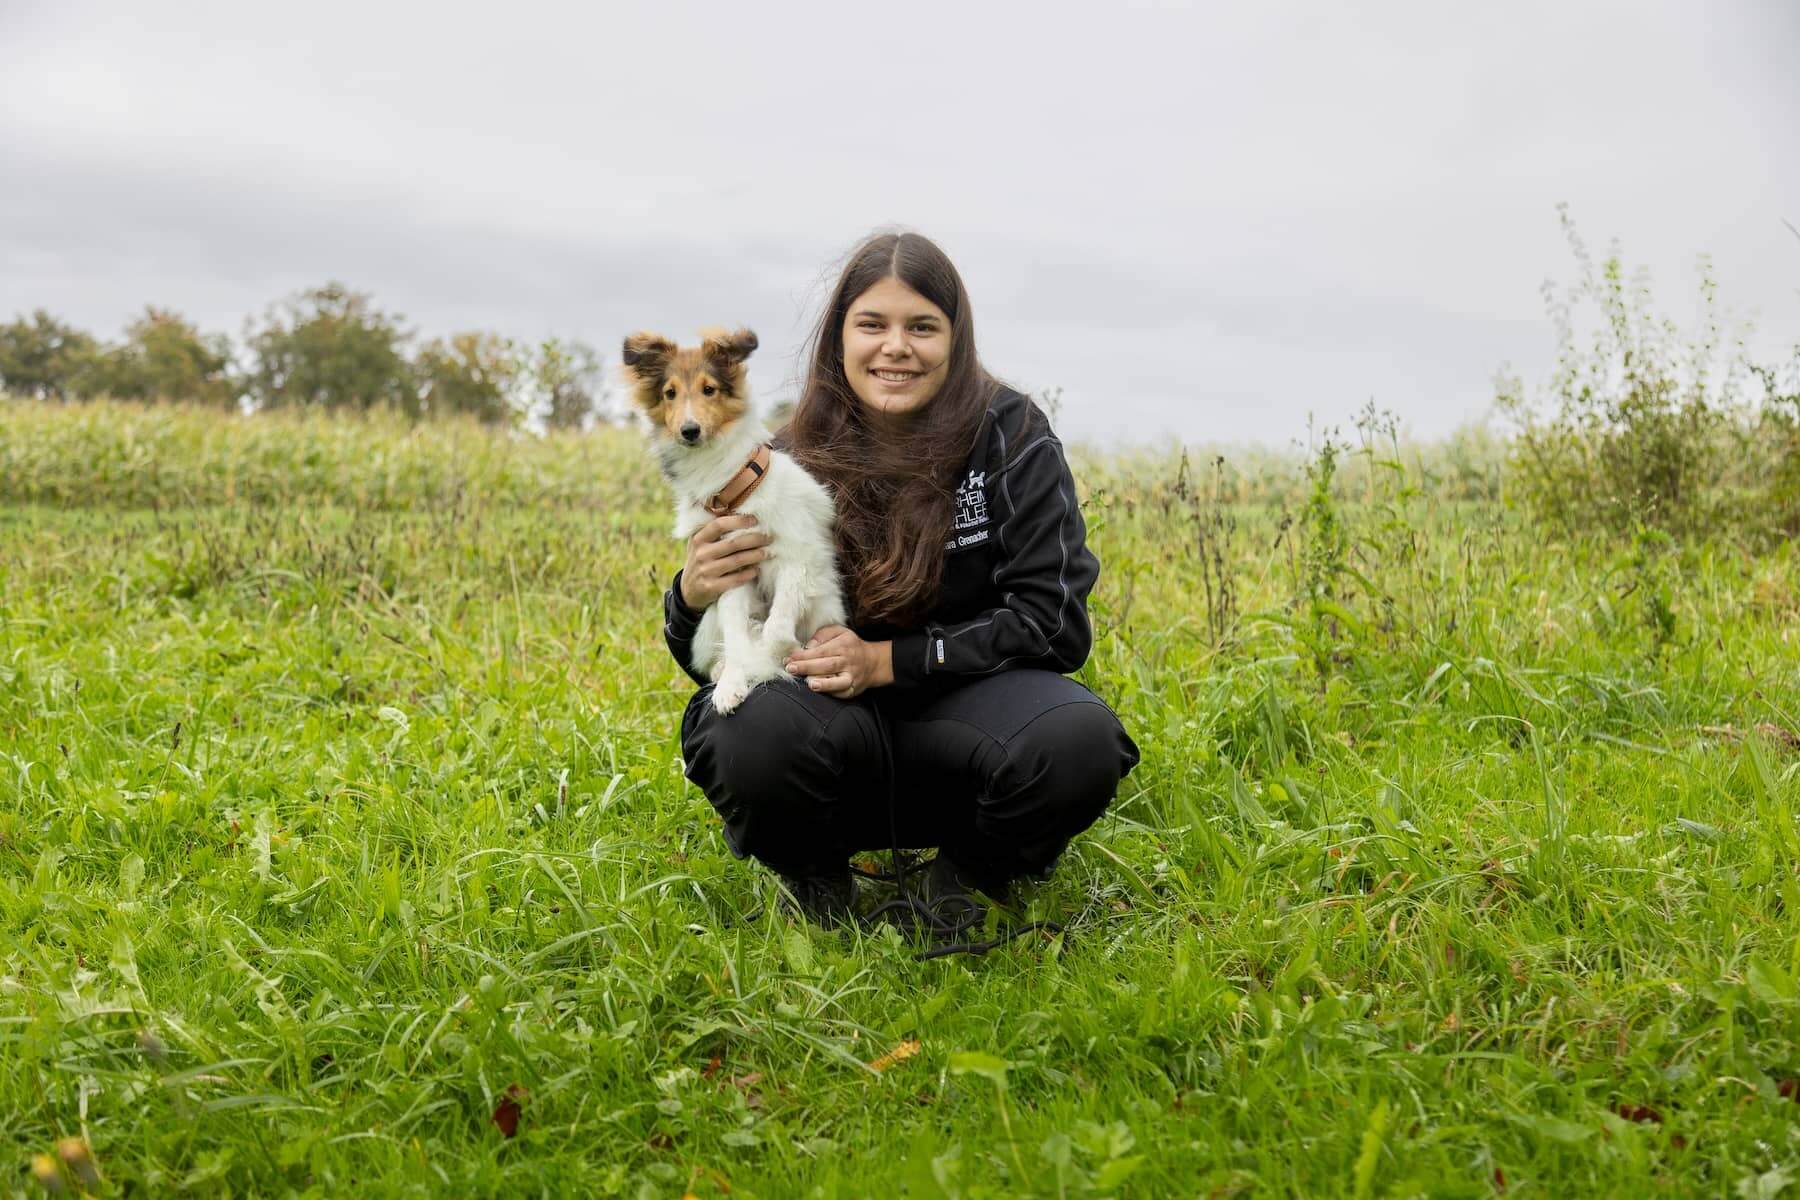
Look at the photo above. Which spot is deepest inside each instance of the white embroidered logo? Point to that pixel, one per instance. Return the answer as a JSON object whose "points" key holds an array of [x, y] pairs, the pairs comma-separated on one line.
{"points": [[940, 650], [971, 501]]}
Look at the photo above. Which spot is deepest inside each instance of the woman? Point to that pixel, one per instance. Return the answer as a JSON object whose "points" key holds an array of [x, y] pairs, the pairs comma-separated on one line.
{"points": [[943, 716]]}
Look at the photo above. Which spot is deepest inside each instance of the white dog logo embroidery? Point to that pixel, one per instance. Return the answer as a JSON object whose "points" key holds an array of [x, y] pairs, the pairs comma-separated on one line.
{"points": [[971, 501]]}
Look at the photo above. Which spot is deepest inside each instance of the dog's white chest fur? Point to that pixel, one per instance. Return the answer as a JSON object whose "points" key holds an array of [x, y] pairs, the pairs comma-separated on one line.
{"points": [[747, 634]]}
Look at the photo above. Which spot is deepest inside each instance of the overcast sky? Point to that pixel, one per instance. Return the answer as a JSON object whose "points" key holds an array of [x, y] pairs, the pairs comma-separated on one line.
{"points": [[1204, 222]]}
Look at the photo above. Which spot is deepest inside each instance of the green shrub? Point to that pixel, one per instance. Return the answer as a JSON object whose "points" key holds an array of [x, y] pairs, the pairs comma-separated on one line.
{"points": [[1775, 444], [1639, 422]]}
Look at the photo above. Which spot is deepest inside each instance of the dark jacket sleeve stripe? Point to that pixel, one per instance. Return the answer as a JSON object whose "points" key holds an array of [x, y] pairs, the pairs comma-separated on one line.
{"points": [[1043, 578], [679, 626]]}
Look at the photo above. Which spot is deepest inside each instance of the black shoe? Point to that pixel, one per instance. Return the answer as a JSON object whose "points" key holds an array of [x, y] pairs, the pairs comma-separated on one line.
{"points": [[941, 900], [948, 892], [825, 897]]}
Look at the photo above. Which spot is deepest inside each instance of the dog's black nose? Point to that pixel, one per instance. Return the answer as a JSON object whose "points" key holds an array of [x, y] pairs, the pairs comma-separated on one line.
{"points": [[690, 432]]}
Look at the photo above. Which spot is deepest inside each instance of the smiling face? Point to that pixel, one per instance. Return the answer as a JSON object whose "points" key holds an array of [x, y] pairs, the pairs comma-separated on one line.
{"points": [[896, 345]]}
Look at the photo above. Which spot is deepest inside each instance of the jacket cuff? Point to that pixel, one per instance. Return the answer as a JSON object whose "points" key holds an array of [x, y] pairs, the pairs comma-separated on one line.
{"points": [[910, 665], [679, 614]]}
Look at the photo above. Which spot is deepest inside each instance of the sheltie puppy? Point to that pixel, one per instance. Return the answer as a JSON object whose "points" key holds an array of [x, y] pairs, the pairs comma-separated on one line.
{"points": [[715, 453]]}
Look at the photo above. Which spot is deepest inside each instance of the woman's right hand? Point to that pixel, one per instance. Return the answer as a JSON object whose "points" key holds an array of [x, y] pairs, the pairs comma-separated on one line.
{"points": [[716, 563]]}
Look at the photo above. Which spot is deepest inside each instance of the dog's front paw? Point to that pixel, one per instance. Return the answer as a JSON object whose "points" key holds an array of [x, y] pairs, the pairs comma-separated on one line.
{"points": [[729, 692], [764, 664], [776, 650]]}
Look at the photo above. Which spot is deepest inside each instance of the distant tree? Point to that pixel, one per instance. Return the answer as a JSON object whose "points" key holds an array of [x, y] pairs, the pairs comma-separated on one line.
{"points": [[332, 348], [43, 358], [164, 357], [471, 374], [565, 380]]}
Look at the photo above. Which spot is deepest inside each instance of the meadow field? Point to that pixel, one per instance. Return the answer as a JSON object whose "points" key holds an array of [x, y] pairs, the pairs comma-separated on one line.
{"points": [[345, 849]]}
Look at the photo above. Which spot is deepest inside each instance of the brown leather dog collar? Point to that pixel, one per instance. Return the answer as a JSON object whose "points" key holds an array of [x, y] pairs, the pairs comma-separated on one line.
{"points": [[738, 489]]}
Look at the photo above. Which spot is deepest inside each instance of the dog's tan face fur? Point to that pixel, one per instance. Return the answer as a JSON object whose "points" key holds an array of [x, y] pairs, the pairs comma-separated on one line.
{"points": [[689, 393]]}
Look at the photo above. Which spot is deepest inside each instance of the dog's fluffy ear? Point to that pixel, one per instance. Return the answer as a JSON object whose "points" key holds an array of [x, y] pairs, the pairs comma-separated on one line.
{"points": [[729, 349], [647, 354]]}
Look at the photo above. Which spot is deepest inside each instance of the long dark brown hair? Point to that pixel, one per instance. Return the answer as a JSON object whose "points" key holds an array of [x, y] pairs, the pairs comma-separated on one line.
{"points": [[895, 491]]}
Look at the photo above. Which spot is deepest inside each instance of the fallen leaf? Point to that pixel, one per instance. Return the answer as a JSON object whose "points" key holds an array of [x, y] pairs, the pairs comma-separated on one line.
{"points": [[1788, 1089], [1776, 733], [1643, 1114], [1699, 829], [1497, 876], [152, 1046], [43, 1169], [1499, 1180], [76, 1156], [1763, 1186], [712, 1068], [899, 1054], [506, 1113], [1555, 1128]]}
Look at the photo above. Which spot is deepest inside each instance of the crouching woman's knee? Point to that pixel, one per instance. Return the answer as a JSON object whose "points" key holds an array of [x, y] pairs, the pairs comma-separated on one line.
{"points": [[774, 769], [1063, 769]]}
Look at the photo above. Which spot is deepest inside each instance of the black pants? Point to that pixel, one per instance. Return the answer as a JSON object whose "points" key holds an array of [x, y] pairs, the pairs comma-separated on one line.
{"points": [[999, 772]]}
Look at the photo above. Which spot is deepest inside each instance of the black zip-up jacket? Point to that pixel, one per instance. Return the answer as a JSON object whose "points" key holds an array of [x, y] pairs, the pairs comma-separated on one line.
{"points": [[1017, 570]]}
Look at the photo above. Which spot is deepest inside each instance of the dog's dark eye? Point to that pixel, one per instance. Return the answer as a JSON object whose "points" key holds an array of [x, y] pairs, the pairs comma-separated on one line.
{"points": [[710, 390], [669, 395]]}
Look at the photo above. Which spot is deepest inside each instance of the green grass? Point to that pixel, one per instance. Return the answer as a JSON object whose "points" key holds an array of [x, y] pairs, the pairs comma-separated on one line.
{"points": [[339, 793]]}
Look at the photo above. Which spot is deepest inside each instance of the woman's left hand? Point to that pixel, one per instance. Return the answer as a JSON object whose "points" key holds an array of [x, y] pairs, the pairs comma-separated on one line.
{"points": [[838, 663]]}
